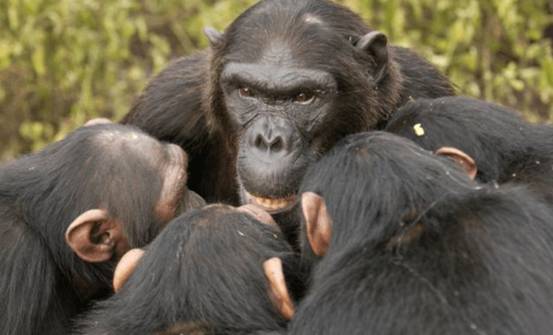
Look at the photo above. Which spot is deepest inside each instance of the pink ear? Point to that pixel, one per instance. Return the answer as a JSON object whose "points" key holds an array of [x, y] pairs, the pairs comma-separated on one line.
{"points": [[460, 157], [97, 121], [318, 222], [90, 236], [125, 268], [277, 287]]}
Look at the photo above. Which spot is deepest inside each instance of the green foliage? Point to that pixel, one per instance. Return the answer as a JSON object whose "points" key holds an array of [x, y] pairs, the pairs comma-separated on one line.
{"points": [[65, 61], [497, 50]]}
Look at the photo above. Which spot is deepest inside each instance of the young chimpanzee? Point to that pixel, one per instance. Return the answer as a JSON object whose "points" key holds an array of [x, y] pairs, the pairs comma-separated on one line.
{"points": [[214, 270], [494, 143], [407, 243], [69, 212]]}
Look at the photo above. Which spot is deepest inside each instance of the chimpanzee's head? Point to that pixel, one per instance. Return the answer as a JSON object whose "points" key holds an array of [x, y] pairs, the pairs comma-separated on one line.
{"points": [[372, 185], [90, 197], [132, 183], [215, 270], [290, 78]]}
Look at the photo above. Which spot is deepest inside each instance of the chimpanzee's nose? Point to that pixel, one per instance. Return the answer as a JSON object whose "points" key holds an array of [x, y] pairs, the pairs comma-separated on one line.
{"points": [[269, 142], [270, 136]]}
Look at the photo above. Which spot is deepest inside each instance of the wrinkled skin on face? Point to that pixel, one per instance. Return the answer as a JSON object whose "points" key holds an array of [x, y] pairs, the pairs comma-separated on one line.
{"points": [[277, 108], [288, 100]]}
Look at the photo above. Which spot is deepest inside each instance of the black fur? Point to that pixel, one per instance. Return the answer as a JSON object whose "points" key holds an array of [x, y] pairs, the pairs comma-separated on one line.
{"points": [[170, 109], [42, 282], [202, 275], [418, 248], [185, 103], [504, 147]]}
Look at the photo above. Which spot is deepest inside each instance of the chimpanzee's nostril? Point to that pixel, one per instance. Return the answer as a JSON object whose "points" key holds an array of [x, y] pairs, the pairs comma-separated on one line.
{"points": [[277, 145], [260, 143]]}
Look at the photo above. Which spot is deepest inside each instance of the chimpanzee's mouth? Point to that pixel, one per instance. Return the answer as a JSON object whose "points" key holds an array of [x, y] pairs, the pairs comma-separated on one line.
{"points": [[272, 205]]}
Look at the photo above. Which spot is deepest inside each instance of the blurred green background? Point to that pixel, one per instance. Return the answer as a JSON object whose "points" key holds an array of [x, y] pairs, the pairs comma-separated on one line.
{"points": [[65, 61]]}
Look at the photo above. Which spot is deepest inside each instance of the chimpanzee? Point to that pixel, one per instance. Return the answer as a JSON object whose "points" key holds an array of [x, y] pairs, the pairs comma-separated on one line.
{"points": [[286, 80], [214, 270], [70, 211], [406, 243], [490, 140]]}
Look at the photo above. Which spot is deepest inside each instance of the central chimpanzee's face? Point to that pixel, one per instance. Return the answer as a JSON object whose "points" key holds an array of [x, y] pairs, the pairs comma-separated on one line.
{"points": [[278, 108], [287, 112], [290, 83]]}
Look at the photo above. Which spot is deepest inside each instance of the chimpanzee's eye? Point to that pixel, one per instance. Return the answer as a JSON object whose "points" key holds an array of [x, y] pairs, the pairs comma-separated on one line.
{"points": [[304, 98], [245, 92]]}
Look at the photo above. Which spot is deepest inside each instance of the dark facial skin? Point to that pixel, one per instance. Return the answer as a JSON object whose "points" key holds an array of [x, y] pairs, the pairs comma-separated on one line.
{"points": [[288, 101], [278, 107], [69, 212], [283, 94]]}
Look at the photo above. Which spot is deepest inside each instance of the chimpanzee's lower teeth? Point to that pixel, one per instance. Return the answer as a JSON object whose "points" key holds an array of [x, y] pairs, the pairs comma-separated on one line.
{"points": [[272, 204]]}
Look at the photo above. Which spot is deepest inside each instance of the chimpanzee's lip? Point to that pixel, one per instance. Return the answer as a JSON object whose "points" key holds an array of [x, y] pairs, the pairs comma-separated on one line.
{"points": [[272, 205]]}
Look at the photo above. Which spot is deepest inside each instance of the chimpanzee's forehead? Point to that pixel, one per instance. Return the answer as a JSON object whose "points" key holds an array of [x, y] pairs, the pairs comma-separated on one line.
{"points": [[277, 52], [304, 50], [281, 37]]}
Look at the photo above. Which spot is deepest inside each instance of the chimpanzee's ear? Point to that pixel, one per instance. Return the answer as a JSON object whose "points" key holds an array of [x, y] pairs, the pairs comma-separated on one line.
{"points": [[278, 291], [214, 36], [375, 44], [318, 223], [258, 213], [95, 237], [460, 157], [194, 200], [97, 121], [125, 268]]}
